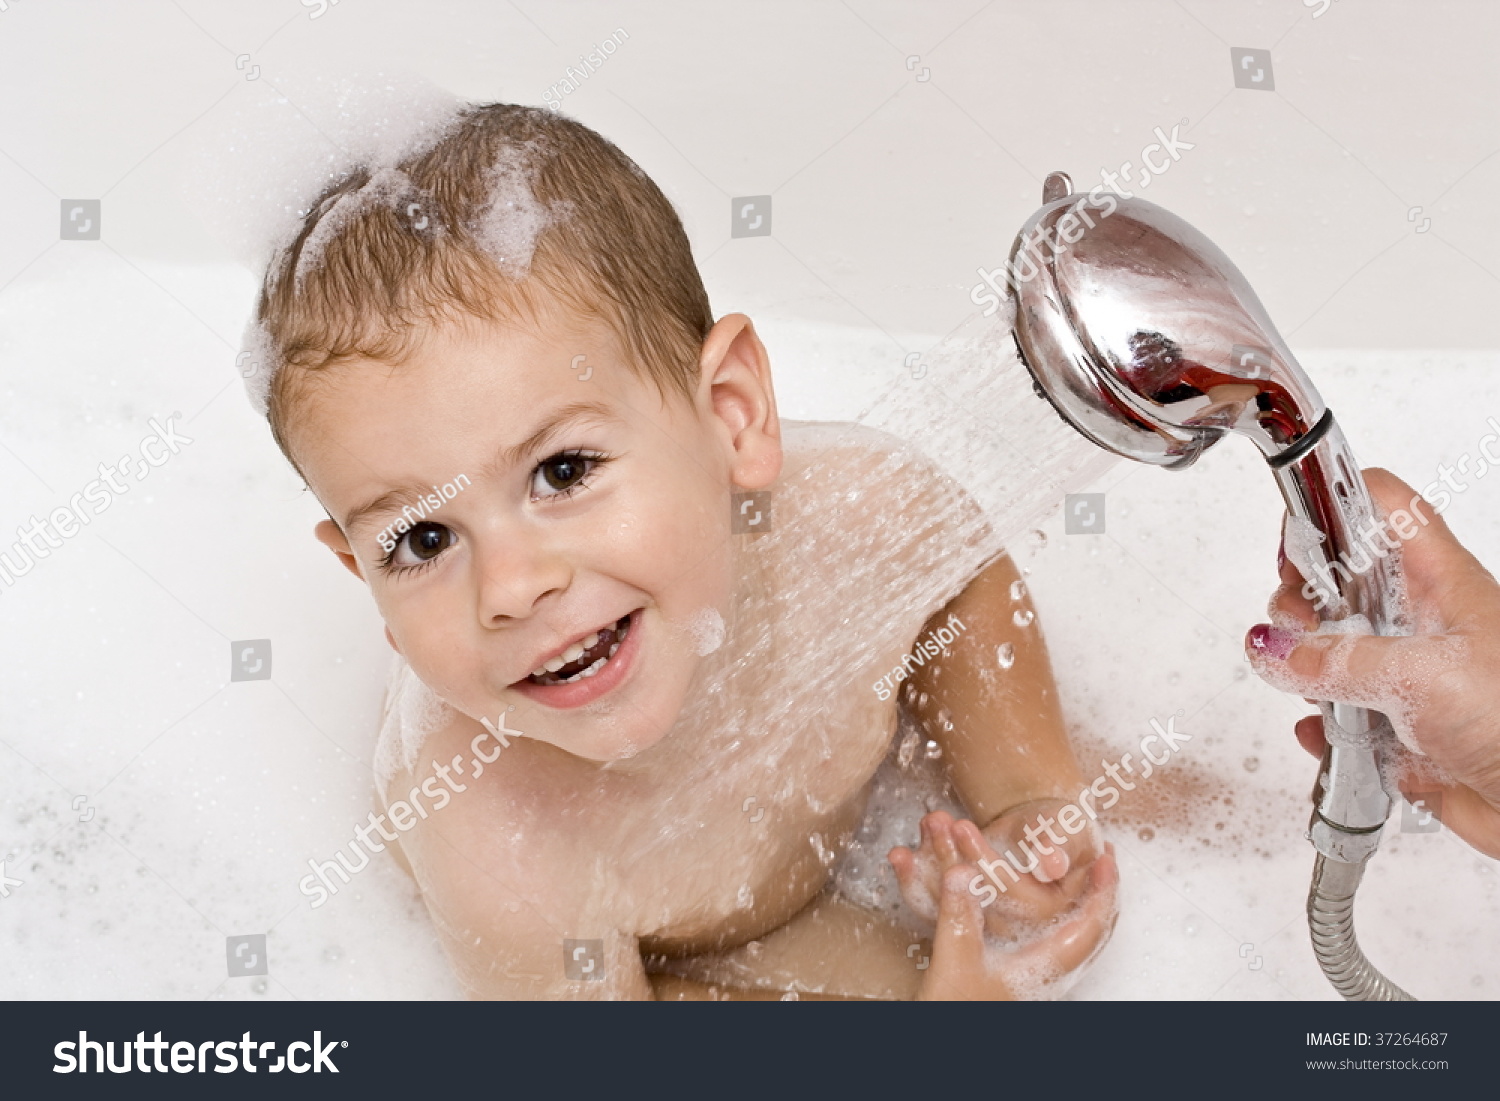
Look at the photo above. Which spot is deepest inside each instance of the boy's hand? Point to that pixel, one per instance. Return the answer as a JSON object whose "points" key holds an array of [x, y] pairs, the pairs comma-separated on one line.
{"points": [[1037, 881], [968, 966], [1069, 885]]}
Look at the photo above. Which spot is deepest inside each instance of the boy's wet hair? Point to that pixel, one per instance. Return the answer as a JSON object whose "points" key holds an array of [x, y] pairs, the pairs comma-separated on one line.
{"points": [[388, 250]]}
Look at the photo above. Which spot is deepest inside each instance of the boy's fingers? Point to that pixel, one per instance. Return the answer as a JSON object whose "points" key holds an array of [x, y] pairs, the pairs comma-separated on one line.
{"points": [[959, 940], [1052, 866], [1075, 940], [940, 829]]}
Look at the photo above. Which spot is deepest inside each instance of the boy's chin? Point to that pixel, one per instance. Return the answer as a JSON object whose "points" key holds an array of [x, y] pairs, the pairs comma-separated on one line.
{"points": [[606, 746]]}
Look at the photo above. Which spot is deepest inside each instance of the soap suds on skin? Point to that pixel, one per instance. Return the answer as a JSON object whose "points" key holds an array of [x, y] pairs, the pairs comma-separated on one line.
{"points": [[413, 711], [707, 629]]}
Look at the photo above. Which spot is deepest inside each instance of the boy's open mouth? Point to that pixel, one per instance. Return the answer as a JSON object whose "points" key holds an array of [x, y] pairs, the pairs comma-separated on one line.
{"points": [[585, 657]]}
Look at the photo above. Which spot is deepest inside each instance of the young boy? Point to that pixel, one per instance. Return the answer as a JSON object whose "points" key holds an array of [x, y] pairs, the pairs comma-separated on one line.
{"points": [[657, 633]]}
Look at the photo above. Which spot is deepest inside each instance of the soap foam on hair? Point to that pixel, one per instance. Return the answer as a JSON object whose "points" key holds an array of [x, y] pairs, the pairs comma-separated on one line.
{"points": [[254, 181]]}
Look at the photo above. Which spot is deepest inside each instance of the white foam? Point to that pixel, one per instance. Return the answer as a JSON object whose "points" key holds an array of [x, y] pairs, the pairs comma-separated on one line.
{"points": [[412, 712], [253, 178], [509, 226], [708, 630], [387, 186], [258, 363]]}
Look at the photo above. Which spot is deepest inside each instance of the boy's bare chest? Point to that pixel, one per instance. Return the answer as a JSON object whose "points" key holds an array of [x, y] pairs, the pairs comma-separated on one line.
{"points": [[747, 836]]}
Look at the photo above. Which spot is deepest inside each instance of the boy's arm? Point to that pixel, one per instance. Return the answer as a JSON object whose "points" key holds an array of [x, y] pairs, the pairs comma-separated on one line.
{"points": [[503, 916], [1008, 744], [1007, 752]]}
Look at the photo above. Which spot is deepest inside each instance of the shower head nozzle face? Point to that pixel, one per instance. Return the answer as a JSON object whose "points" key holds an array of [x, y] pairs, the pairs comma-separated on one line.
{"points": [[1145, 337]]}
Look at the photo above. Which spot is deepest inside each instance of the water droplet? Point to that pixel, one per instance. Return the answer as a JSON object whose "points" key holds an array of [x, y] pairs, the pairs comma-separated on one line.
{"points": [[332, 954], [933, 750], [1174, 678], [1005, 654], [260, 986], [1252, 763], [1023, 617], [908, 749], [1146, 833], [1017, 589], [746, 898], [1190, 927], [1038, 540]]}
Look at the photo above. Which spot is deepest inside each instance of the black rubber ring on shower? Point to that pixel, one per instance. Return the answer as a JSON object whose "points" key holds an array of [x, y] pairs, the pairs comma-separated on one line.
{"points": [[1314, 435]]}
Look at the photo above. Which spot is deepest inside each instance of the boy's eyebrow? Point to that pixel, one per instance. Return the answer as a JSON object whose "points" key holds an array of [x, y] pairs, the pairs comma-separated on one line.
{"points": [[509, 457]]}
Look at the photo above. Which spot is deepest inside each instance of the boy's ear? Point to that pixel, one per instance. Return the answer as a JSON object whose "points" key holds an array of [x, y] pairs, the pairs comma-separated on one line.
{"points": [[735, 382], [331, 536], [328, 533]]}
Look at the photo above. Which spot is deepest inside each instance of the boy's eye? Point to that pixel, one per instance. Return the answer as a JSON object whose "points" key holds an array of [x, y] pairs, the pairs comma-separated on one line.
{"points": [[422, 544], [562, 473]]}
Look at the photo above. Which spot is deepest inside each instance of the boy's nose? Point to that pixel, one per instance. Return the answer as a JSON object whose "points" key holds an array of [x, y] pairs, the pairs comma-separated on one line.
{"points": [[515, 574]]}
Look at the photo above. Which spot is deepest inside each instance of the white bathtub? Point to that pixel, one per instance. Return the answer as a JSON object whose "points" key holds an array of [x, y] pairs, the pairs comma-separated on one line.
{"points": [[200, 800]]}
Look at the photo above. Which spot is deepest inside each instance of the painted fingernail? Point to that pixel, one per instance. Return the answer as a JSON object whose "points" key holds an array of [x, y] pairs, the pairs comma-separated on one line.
{"points": [[1271, 641]]}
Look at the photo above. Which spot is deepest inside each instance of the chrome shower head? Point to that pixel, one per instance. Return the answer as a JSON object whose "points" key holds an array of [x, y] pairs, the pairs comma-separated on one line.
{"points": [[1146, 338]]}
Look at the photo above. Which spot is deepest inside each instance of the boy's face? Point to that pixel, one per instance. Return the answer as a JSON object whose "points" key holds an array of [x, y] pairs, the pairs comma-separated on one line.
{"points": [[581, 510]]}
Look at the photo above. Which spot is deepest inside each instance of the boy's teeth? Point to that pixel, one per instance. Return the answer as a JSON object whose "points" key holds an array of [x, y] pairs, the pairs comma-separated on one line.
{"points": [[578, 649]]}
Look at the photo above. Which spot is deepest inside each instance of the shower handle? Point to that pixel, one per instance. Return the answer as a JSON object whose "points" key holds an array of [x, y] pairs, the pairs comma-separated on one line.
{"points": [[1320, 486]]}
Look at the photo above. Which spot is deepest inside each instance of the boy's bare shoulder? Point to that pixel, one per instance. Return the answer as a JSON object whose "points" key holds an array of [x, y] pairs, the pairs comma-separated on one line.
{"points": [[863, 481], [870, 516]]}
